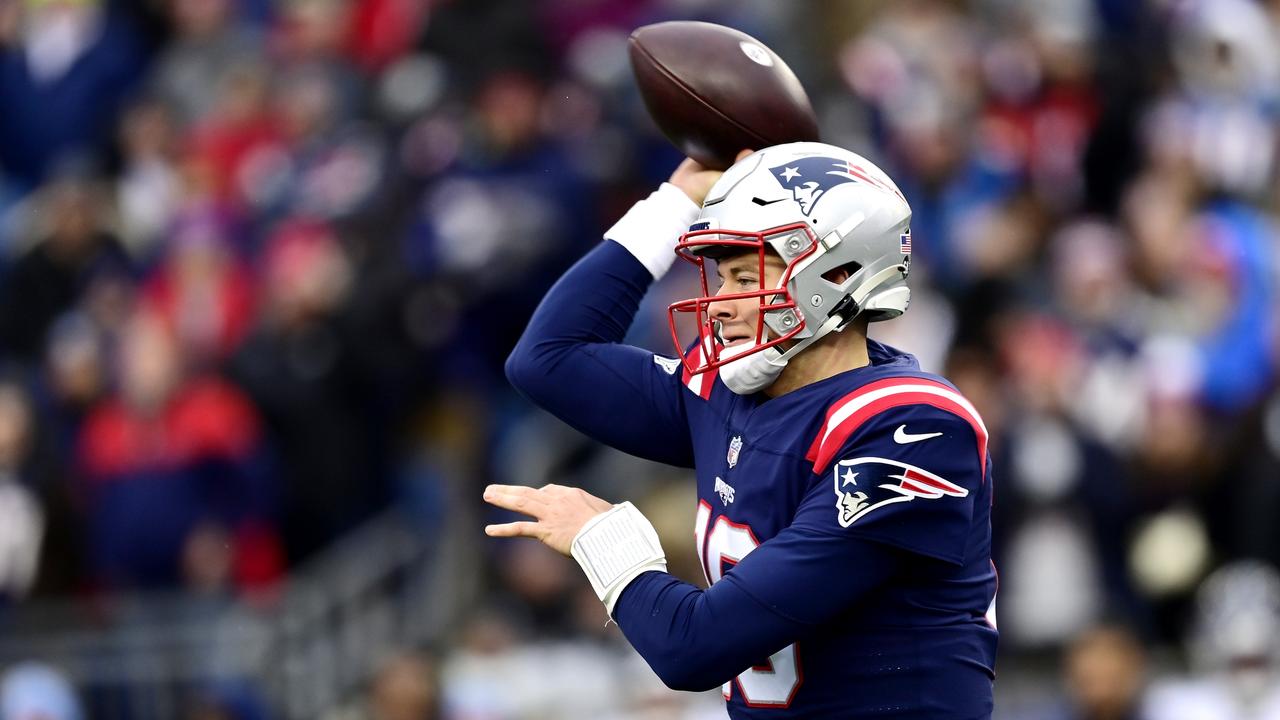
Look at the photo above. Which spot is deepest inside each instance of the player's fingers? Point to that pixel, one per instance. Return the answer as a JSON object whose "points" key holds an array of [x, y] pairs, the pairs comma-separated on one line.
{"points": [[522, 528], [495, 487], [689, 166], [515, 497], [745, 152]]}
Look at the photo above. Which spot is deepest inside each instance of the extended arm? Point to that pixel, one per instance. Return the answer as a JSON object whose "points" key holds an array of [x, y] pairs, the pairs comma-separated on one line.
{"points": [[696, 639], [570, 359]]}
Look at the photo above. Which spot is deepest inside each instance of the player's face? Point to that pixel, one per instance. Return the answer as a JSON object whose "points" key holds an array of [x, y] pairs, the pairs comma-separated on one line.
{"points": [[737, 319]]}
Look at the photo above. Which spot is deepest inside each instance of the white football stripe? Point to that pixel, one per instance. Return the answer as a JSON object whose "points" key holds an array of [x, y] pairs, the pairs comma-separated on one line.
{"points": [[856, 404], [695, 383]]}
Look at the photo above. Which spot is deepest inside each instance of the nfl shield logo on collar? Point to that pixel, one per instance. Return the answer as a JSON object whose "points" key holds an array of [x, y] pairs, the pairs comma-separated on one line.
{"points": [[735, 447]]}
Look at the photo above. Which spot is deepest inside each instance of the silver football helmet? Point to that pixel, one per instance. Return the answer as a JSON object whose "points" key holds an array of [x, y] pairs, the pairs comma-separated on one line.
{"points": [[821, 209]]}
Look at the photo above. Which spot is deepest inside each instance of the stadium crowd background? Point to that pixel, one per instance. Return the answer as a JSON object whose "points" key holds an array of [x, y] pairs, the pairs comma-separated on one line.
{"points": [[261, 262]]}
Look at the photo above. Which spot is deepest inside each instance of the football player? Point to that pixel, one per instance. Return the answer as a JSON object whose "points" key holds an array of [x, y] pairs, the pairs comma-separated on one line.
{"points": [[843, 518]]}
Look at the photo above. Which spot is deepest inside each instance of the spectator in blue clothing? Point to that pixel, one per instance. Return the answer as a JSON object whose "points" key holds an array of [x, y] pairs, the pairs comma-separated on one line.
{"points": [[63, 79]]}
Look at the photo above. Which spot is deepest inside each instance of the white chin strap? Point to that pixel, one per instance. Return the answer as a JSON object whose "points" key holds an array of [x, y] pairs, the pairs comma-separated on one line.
{"points": [[753, 373], [757, 371]]}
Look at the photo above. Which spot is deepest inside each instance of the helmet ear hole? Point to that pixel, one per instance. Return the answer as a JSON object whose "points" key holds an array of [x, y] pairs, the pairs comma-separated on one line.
{"points": [[839, 274]]}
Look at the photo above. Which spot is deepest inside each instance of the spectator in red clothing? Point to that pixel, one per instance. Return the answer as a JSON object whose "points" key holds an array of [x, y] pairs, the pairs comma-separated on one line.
{"points": [[201, 289], [381, 31], [168, 454], [236, 153]]}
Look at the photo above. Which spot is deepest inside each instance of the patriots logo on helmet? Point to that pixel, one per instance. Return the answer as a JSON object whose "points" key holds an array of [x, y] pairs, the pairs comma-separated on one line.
{"points": [[811, 177], [861, 486]]}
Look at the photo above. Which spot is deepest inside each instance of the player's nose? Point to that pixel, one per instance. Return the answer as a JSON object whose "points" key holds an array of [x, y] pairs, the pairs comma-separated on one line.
{"points": [[721, 309]]}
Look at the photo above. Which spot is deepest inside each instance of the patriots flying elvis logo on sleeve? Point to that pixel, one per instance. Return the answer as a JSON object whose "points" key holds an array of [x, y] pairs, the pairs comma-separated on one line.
{"points": [[861, 488], [809, 178]]}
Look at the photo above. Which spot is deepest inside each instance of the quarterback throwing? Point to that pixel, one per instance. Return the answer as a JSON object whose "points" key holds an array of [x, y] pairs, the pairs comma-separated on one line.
{"points": [[843, 519]]}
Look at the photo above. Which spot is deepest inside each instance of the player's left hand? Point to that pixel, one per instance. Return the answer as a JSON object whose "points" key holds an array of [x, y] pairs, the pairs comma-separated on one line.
{"points": [[558, 512]]}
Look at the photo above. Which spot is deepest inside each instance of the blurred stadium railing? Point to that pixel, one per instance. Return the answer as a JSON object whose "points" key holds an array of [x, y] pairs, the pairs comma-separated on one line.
{"points": [[310, 645]]}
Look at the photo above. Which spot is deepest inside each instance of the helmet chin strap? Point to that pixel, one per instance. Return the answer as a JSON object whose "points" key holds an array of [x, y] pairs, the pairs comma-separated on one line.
{"points": [[757, 371], [753, 373], [823, 330]]}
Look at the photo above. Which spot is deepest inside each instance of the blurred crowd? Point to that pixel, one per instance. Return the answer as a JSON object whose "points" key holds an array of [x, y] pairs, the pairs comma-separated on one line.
{"points": [[261, 262]]}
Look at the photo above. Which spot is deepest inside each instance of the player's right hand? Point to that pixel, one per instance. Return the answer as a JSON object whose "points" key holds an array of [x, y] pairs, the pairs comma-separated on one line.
{"points": [[558, 513], [696, 180]]}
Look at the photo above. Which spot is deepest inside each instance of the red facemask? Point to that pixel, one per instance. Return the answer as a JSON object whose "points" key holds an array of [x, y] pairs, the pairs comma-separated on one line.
{"points": [[694, 247]]}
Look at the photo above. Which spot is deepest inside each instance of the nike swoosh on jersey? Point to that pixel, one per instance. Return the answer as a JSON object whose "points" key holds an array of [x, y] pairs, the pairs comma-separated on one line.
{"points": [[902, 437]]}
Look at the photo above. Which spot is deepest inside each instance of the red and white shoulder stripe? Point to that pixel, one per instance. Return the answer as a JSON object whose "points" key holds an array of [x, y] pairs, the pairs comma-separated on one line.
{"points": [[853, 410], [701, 383]]}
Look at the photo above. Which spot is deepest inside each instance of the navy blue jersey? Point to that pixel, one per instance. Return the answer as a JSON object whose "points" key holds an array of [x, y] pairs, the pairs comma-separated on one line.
{"points": [[844, 527]]}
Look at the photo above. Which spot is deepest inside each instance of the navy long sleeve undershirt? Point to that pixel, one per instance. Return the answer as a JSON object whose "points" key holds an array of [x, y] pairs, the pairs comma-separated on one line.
{"points": [[571, 351]]}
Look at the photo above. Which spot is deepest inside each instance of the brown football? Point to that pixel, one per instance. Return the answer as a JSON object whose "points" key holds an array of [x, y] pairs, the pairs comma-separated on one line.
{"points": [[713, 90]]}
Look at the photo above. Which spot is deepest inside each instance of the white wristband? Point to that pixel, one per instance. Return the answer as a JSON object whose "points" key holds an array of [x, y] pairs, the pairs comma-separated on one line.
{"points": [[651, 228], [615, 547]]}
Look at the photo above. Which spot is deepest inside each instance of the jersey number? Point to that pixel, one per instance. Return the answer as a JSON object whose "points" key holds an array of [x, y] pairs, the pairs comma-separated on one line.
{"points": [[774, 683]]}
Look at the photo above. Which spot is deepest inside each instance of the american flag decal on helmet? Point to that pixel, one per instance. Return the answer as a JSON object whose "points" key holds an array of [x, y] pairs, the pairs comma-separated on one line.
{"points": [[904, 242]]}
